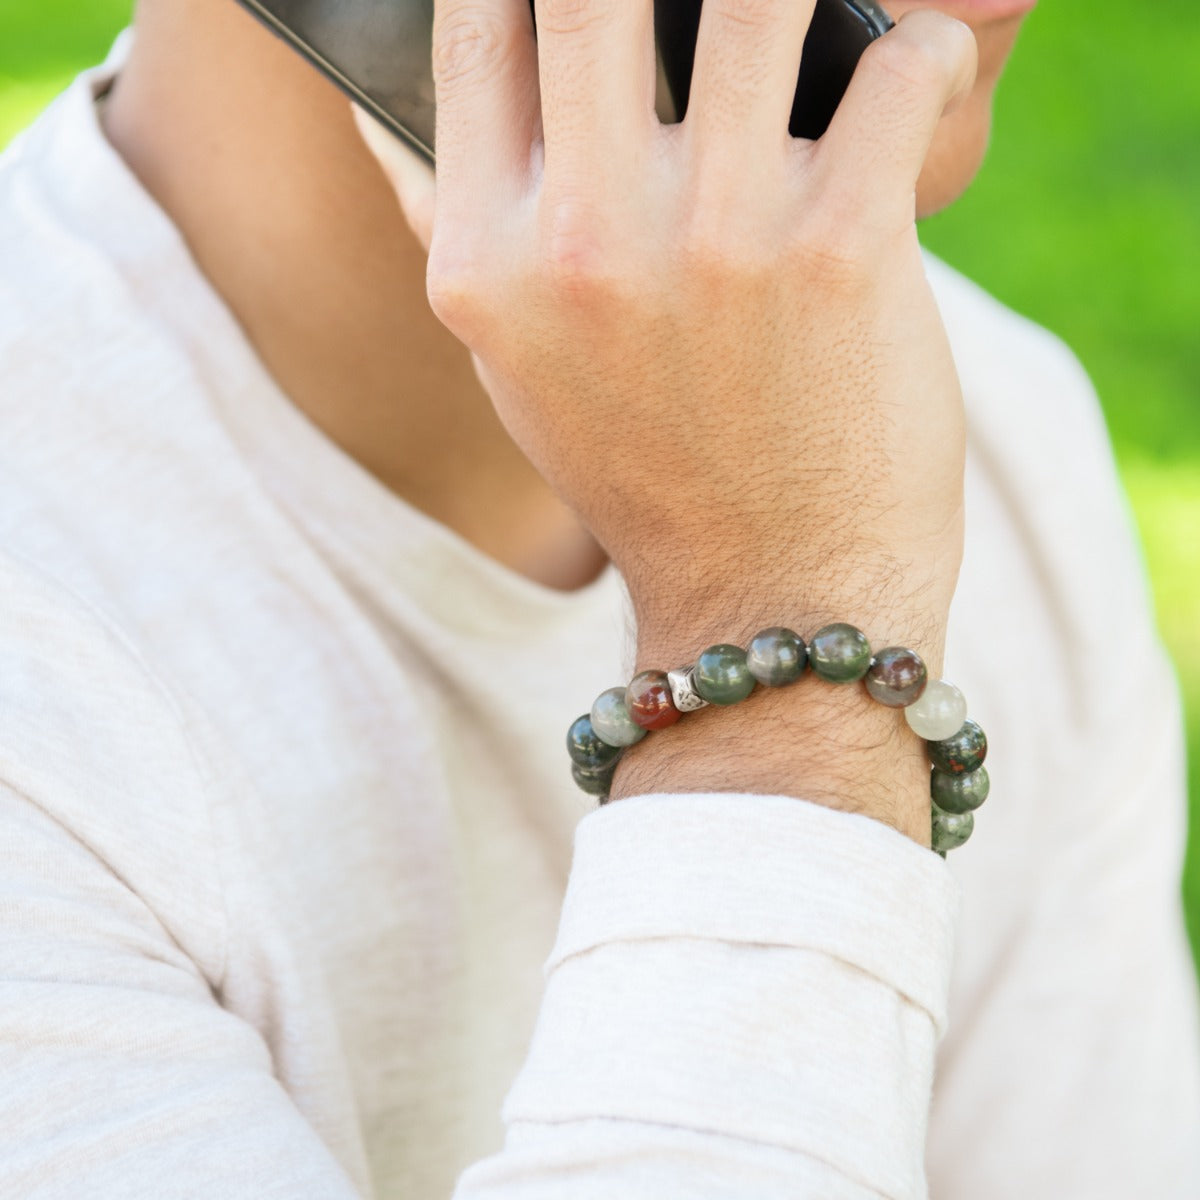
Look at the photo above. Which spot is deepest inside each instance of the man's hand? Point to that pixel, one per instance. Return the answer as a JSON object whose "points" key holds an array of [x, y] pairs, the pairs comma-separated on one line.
{"points": [[714, 340]]}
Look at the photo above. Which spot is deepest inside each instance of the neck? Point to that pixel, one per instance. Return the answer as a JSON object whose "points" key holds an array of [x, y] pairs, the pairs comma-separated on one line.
{"points": [[257, 161]]}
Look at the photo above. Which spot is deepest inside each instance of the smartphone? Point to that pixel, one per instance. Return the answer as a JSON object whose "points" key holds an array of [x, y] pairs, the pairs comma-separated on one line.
{"points": [[379, 53]]}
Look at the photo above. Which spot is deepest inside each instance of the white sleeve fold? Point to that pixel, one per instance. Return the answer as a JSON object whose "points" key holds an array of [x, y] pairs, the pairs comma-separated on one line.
{"points": [[745, 998]]}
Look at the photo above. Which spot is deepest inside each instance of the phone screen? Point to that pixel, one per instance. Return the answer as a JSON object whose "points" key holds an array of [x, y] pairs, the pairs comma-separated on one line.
{"points": [[380, 53]]}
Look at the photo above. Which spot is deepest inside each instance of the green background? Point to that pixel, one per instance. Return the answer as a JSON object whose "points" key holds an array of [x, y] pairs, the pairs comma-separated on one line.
{"points": [[1086, 218]]}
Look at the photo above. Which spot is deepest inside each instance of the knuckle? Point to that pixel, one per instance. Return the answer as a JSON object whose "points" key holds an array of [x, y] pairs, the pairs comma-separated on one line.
{"points": [[835, 265], [577, 262], [455, 290], [917, 64], [467, 46], [723, 240], [572, 16], [833, 248], [753, 15], [718, 255]]}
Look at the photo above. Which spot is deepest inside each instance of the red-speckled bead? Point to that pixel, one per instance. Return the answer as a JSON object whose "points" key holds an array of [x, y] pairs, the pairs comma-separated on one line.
{"points": [[962, 753], [649, 701]]}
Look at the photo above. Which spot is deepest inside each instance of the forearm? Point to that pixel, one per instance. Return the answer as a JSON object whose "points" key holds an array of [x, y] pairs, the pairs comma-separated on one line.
{"points": [[744, 999], [822, 742]]}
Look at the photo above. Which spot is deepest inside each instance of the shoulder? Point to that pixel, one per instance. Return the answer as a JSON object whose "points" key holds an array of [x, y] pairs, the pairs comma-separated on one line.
{"points": [[94, 741], [1036, 432], [1053, 586], [999, 352]]}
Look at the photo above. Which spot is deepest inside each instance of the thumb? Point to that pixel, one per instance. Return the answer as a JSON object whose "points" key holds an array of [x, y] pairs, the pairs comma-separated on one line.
{"points": [[411, 179]]}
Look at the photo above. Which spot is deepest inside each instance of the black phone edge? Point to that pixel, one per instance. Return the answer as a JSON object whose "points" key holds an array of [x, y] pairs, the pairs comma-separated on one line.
{"points": [[874, 15], [869, 10], [331, 72]]}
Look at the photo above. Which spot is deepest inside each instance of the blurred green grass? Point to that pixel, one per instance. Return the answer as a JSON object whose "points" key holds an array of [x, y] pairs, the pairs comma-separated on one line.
{"points": [[1086, 218]]}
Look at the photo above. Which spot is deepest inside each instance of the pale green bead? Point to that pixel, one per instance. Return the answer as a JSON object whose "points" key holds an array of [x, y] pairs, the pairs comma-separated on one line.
{"points": [[611, 720], [939, 713]]}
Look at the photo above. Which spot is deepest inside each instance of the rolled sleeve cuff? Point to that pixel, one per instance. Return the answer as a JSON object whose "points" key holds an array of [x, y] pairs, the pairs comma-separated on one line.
{"points": [[750, 967]]}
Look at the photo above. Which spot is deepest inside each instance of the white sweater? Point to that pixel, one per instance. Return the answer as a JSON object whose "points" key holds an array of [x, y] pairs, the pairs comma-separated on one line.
{"points": [[286, 819]]}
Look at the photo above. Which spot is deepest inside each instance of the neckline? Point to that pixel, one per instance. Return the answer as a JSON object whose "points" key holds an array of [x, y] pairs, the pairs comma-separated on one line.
{"points": [[383, 539]]}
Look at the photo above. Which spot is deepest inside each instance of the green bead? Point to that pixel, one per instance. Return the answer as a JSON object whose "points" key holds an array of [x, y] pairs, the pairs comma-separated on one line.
{"points": [[722, 676], [962, 753], [950, 830], [839, 653], [776, 657], [959, 793], [595, 783], [586, 749]]}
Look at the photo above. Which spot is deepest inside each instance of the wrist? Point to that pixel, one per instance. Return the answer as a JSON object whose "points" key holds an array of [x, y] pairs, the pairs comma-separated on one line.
{"points": [[823, 742]]}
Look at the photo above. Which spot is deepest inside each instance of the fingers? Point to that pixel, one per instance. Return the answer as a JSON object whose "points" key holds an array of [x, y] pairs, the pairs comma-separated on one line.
{"points": [[410, 177], [744, 79], [485, 79], [597, 77], [879, 138]]}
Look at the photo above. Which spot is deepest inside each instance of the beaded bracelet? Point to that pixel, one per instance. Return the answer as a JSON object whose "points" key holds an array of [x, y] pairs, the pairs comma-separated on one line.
{"points": [[838, 653]]}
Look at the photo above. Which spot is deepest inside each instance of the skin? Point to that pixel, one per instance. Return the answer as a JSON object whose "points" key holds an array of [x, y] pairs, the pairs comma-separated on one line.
{"points": [[625, 307], [336, 308]]}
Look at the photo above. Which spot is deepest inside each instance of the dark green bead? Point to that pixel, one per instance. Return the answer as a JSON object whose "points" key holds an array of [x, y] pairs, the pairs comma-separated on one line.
{"points": [[950, 830], [595, 783], [722, 676], [776, 657], [839, 653], [962, 753], [586, 749], [959, 793]]}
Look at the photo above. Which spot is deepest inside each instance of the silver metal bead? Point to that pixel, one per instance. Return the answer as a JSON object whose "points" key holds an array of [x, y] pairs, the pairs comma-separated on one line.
{"points": [[683, 689]]}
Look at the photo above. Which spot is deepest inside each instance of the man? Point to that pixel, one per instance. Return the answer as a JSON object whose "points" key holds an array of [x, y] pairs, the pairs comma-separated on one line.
{"points": [[294, 623]]}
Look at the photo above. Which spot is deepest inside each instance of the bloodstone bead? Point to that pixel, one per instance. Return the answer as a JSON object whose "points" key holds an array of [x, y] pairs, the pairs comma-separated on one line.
{"points": [[950, 830], [722, 676], [595, 783], [839, 653], [897, 677], [586, 749], [776, 657], [648, 698], [611, 719], [962, 753], [959, 793]]}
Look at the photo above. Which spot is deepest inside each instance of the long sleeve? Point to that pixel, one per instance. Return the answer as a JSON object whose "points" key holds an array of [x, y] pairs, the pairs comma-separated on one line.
{"points": [[744, 999], [1083, 1053], [124, 1072], [746, 992], [122, 1075]]}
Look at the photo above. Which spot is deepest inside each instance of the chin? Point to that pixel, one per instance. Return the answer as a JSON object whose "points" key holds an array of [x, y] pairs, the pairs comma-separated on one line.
{"points": [[955, 157], [961, 141]]}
